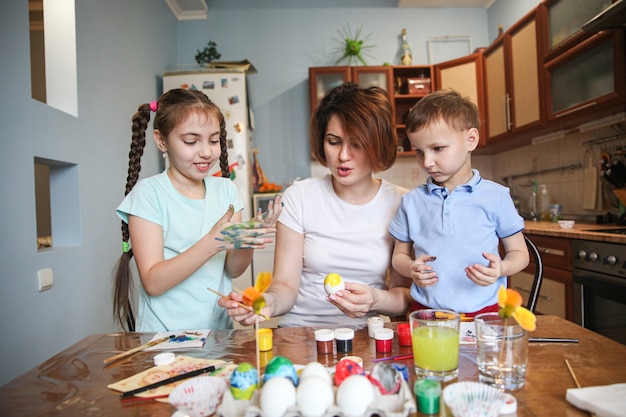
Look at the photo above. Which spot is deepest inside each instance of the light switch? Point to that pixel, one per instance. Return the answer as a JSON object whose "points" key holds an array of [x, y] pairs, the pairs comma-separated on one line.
{"points": [[45, 279]]}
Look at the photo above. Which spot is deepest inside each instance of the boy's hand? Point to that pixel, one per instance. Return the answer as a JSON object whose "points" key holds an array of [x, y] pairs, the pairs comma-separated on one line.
{"points": [[422, 274], [485, 275]]}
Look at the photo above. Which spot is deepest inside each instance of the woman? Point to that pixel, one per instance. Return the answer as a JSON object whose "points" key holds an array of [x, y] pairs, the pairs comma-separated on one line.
{"points": [[338, 223]]}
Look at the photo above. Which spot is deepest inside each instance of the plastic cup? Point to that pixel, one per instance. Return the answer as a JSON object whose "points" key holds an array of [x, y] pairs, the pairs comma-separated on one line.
{"points": [[435, 336]]}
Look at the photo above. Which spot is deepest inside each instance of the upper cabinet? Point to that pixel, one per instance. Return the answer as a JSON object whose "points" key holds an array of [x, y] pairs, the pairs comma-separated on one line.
{"points": [[512, 80], [404, 84], [584, 71], [465, 75], [324, 79]]}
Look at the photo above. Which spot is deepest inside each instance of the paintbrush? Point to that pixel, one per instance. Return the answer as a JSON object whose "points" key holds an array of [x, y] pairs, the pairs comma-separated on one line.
{"points": [[394, 358], [138, 349], [175, 379], [250, 309]]}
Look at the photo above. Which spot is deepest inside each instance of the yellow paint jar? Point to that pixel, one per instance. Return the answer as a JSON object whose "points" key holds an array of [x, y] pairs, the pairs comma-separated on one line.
{"points": [[265, 339]]}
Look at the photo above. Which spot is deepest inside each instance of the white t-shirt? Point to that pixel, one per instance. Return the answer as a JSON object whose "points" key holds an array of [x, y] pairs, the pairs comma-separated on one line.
{"points": [[188, 305], [351, 240]]}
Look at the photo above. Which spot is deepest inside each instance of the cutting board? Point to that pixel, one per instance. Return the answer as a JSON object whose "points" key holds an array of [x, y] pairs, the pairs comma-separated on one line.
{"points": [[590, 183]]}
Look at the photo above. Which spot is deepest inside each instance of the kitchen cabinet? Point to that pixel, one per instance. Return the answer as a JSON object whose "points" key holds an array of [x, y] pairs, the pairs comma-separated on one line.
{"points": [[465, 75], [555, 297], [324, 79], [512, 80], [405, 85]]}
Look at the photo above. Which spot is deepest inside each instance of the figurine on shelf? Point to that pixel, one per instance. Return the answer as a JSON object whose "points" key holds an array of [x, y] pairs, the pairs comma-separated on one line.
{"points": [[406, 57]]}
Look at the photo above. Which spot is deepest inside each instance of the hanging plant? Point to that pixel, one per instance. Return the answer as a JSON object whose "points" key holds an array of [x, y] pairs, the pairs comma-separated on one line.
{"points": [[208, 54]]}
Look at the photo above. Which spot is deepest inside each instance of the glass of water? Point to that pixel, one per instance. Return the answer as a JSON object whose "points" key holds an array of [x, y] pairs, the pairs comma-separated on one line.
{"points": [[502, 351]]}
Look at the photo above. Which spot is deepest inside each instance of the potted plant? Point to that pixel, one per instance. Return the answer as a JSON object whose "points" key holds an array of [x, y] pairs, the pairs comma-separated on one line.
{"points": [[208, 54]]}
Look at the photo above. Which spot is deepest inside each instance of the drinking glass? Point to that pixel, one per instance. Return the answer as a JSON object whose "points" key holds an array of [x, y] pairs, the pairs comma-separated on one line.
{"points": [[435, 336], [502, 351]]}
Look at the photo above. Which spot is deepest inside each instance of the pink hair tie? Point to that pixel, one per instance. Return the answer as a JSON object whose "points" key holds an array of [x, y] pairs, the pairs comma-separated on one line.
{"points": [[154, 105]]}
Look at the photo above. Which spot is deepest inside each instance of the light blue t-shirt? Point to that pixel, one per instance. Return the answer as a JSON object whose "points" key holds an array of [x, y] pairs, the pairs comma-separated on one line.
{"points": [[457, 228], [188, 305]]}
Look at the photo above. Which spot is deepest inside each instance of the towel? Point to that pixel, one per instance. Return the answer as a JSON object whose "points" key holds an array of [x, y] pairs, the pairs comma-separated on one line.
{"points": [[604, 401]]}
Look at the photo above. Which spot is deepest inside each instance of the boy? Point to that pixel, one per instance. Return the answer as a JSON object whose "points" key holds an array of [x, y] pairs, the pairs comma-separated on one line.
{"points": [[454, 222]]}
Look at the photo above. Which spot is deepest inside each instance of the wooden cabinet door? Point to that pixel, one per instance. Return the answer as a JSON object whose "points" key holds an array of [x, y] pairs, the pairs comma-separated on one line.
{"points": [[324, 79], [526, 103], [465, 75], [496, 93]]}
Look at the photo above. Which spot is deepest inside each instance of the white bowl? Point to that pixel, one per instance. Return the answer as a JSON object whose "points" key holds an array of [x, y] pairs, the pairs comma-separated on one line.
{"points": [[566, 224]]}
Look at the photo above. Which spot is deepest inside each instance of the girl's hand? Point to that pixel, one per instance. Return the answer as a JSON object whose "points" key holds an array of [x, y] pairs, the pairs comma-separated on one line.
{"points": [[485, 275], [423, 274], [270, 217], [244, 235], [355, 301]]}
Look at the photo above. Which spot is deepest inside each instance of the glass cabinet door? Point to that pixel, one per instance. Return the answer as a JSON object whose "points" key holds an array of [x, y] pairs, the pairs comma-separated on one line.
{"points": [[374, 76], [584, 79], [566, 18], [324, 79]]}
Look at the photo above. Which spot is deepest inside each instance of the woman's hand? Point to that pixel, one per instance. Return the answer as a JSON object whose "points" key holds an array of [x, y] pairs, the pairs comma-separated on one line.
{"points": [[240, 314], [355, 301]]}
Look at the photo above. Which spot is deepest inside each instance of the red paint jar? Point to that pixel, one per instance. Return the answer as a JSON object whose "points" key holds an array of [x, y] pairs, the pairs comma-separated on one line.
{"points": [[383, 338], [324, 339], [404, 334]]}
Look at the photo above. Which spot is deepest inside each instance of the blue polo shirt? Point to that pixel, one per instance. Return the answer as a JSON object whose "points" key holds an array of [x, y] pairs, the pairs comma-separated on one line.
{"points": [[456, 227]]}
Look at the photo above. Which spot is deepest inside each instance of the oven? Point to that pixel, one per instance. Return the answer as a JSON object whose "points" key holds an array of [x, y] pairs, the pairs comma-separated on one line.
{"points": [[599, 293]]}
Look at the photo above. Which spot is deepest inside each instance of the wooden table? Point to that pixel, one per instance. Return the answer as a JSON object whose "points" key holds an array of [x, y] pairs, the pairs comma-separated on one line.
{"points": [[74, 382]]}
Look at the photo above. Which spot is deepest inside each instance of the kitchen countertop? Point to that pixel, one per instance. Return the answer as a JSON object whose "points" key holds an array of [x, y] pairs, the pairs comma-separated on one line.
{"points": [[581, 230]]}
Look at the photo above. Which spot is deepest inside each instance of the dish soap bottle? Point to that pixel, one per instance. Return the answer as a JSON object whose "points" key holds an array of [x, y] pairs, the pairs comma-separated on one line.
{"points": [[532, 203], [544, 203]]}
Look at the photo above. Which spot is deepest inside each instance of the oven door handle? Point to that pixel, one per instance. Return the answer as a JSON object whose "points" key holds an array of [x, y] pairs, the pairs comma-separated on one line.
{"points": [[594, 279]]}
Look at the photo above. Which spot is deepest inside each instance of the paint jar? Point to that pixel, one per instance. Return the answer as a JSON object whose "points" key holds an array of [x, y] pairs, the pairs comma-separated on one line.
{"points": [[343, 339], [324, 339], [265, 357], [427, 395], [265, 339], [164, 358], [404, 334], [356, 359], [383, 338], [373, 324]]}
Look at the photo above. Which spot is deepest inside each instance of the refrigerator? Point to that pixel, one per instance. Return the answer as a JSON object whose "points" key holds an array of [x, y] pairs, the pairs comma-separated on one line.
{"points": [[226, 88]]}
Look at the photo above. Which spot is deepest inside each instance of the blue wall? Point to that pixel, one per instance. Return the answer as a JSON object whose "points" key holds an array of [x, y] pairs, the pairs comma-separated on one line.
{"points": [[122, 49]]}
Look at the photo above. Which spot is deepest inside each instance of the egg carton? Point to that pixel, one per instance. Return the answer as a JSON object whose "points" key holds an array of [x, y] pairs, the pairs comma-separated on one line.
{"points": [[401, 404]]}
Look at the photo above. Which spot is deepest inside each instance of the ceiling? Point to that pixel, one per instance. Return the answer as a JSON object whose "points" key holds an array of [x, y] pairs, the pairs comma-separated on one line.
{"points": [[446, 3], [197, 9]]}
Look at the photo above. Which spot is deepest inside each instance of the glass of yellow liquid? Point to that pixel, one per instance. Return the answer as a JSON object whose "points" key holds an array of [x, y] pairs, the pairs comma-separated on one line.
{"points": [[435, 336]]}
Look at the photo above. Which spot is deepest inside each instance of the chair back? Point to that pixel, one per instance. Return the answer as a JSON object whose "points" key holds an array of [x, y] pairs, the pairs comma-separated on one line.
{"points": [[535, 289]]}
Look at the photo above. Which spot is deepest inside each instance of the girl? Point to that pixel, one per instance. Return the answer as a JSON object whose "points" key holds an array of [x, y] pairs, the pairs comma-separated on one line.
{"points": [[175, 220]]}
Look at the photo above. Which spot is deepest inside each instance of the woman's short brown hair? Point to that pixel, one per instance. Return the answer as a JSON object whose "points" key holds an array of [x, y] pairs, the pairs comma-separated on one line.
{"points": [[366, 116]]}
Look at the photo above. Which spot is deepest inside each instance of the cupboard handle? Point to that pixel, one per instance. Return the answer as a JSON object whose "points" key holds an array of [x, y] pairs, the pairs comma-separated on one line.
{"points": [[545, 297], [549, 251], [507, 108]]}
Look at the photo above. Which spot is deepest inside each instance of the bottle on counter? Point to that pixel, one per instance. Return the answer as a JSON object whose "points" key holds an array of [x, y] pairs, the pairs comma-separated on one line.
{"points": [[544, 203], [532, 203]]}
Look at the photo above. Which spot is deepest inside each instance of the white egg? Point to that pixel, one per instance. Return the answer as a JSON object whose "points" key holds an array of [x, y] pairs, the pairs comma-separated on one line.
{"points": [[354, 395], [314, 395], [316, 369], [277, 395]]}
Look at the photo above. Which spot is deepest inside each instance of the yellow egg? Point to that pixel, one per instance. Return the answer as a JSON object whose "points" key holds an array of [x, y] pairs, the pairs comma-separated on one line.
{"points": [[333, 283]]}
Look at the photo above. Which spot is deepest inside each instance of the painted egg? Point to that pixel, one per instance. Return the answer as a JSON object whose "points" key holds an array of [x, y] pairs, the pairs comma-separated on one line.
{"points": [[354, 395], [280, 366], [387, 378], [243, 381], [333, 283], [277, 395], [346, 368]]}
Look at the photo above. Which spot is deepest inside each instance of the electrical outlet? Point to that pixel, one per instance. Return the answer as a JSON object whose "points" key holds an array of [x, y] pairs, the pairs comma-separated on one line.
{"points": [[45, 279]]}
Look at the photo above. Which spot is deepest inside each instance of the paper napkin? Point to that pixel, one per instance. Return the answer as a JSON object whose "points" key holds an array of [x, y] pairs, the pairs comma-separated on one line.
{"points": [[604, 400]]}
